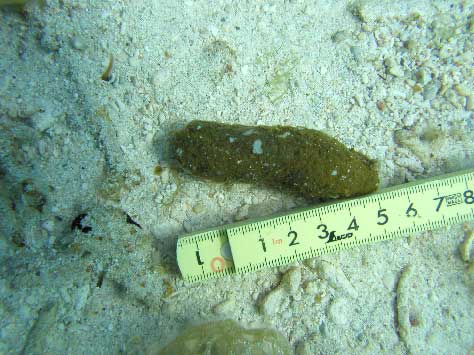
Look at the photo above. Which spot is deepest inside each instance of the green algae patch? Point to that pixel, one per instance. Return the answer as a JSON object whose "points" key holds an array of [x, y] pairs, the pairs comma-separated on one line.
{"points": [[297, 160], [227, 338], [13, 2]]}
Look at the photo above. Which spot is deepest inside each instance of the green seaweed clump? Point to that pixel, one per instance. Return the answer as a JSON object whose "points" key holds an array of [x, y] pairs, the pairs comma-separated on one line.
{"points": [[13, 2], [301, 161], [226, 338]]}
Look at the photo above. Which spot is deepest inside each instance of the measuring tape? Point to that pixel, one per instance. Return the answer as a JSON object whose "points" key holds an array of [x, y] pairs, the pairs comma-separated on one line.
{"points": [[255, 244]]}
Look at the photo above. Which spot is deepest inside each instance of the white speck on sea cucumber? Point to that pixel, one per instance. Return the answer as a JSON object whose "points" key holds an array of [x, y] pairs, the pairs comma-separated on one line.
{"points": [[334, 172], [284, 135], [257, 147], [232, 139]]}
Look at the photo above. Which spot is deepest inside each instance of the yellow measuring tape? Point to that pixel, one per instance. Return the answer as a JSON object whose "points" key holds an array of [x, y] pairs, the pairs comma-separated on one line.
{"points": [[278, 240]]}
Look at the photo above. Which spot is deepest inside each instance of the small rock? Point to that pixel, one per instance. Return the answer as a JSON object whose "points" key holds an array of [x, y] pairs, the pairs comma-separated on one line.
{"points": [[411, 163], [339, 311], [47, 225], [340, 36], [44, 119], [409, 120], [272, 301], [336, 278], [381, 105], [286, 313], [165, 176], [409, 44], [311, 287], [78, 43], [365, 80], [396, 71], [224, 307], [470, 103], [357, 53], [81, 296], [430, 90], [242, 213], [291, 280], [423, 77], [311, 263], [462, 90], [465, 247], [198, 208], [393, 67]]}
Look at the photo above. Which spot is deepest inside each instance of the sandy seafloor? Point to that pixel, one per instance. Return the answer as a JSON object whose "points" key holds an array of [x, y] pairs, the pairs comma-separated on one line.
{"points": [[393, 79]]}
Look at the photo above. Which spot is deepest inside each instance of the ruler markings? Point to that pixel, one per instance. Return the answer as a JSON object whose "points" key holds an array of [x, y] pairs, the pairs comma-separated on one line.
{"points": [[274, 241]]}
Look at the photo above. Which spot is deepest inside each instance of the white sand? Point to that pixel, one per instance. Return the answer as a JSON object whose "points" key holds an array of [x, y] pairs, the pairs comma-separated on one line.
{"points": [[394, 80]]}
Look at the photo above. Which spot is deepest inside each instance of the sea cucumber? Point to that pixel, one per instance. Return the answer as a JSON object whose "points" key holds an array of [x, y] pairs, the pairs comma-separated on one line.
{"points": [[297, 160]]}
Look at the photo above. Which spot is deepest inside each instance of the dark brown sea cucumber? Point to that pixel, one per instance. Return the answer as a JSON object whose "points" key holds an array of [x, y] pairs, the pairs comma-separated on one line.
{"points": [[301, 161]]}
